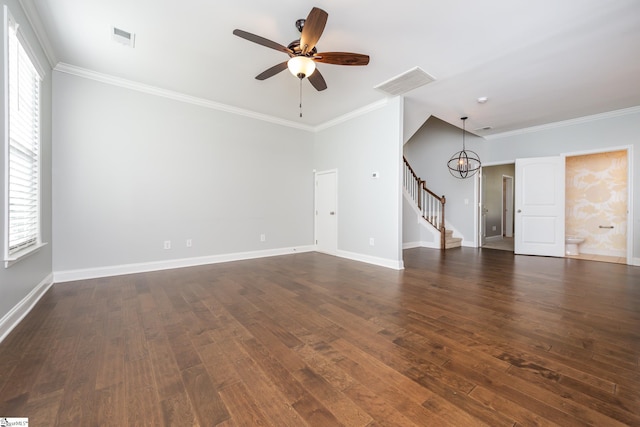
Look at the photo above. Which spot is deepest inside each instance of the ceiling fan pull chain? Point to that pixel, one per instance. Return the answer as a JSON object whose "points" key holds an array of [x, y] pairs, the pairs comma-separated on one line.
{"points": [[300, 97]]}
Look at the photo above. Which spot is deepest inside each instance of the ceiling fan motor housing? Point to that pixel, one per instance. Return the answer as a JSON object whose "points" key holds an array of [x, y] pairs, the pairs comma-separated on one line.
{"points": [[295, 47]]}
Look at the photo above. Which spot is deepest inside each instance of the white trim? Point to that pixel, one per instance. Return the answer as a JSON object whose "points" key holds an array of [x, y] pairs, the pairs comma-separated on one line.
{"points": [[586, 250], [20, 310], [635, 261], [421, 244], [31, 54], [477, 187], [5, 118], [411, 245], [355, 113], [381, 262], [36, 24], [176, 96], [570, 122], [118, 270], [206, 103], [28, 251]]}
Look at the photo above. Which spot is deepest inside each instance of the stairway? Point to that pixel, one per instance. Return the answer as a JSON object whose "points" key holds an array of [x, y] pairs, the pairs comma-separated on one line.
{"points": [[430, 206], [450, 241]]}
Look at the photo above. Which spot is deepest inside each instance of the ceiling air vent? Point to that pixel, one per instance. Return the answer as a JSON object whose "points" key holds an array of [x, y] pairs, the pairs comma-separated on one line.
{"points": [[123, 37], [405, 82]]}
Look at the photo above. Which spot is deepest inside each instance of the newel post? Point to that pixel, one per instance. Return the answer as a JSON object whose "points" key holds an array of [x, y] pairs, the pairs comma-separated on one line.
{"points": [[443, 200]]}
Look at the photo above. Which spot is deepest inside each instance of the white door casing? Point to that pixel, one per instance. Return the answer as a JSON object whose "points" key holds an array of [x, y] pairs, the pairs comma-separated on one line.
{"points": [[507, 209], [482, 211], [539, 204], [326, 211]]}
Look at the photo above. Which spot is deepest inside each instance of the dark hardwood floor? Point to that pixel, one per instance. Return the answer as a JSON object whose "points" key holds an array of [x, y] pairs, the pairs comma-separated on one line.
{"points": [[464, 337]]}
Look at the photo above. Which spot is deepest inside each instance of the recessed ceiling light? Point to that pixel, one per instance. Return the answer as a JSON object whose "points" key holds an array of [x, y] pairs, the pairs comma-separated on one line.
{"points": [[123, 37], [482, 99]]}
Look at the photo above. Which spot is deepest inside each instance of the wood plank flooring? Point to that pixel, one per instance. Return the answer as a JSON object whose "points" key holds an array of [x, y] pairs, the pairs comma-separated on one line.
{"points": [[464, 337]]}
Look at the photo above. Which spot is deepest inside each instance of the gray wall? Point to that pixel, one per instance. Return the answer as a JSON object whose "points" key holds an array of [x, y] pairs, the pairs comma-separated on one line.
{"points": [[17, 281], [132, 169], [428, 152], [605, 132], [367, 207]]}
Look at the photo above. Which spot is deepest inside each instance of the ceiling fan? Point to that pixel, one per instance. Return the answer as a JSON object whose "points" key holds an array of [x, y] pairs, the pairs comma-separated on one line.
{"points": [[303, 54]]}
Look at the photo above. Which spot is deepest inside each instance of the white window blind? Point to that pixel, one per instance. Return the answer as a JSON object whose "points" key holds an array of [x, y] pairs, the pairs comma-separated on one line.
{"points": [[23, 172]]}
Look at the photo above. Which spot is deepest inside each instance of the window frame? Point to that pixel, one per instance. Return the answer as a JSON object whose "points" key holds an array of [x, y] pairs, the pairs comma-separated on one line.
{"points": [[12, 29]]}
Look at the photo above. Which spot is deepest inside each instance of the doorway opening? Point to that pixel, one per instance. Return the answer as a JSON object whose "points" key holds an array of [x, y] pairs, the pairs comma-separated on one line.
{"points": [[497, 207], [597, 204]]}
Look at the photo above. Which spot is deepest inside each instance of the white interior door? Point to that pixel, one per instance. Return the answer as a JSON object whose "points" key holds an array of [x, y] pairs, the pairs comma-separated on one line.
{"points": [[539, 197], [326, 212]]}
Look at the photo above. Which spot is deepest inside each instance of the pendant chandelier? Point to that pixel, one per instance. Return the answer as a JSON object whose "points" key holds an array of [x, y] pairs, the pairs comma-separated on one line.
{"points": [[465, 163]]}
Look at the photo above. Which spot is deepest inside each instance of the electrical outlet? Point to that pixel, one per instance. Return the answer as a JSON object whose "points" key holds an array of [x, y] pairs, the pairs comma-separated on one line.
{"points": [[263, 238], [167, 244], [189, 243], [371, 241]]}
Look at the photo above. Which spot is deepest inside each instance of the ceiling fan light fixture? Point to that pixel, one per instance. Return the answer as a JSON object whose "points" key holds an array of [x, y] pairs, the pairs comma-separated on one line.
{"points": [[301, 66]]}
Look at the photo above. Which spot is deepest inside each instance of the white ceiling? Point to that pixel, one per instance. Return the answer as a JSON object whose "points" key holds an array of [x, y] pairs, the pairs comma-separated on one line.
{"points": [[538, 61]]}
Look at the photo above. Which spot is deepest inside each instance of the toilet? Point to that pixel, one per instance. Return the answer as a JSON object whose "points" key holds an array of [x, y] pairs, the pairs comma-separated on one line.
{"points": [[572, 244]]}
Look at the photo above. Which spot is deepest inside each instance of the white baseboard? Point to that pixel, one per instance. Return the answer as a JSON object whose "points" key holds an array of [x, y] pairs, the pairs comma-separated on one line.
{"points": [[118, 270], [635, 261], [382, 262], [468, 244], [411, 245], [431, 245], [17, 313], [603, 252]]}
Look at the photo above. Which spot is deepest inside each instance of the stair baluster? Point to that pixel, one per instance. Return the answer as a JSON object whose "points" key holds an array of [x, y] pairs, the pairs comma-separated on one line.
{"points": [[430, 205]]}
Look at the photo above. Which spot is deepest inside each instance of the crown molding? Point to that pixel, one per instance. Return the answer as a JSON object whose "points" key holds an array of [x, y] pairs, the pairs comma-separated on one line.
{"points": [[564, 123], [206, 103], [176, 96], [355, 113], [33, 17]]}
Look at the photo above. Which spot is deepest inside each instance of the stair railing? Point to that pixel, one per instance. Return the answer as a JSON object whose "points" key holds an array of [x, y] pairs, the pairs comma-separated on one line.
{"points": [[431, 205]]}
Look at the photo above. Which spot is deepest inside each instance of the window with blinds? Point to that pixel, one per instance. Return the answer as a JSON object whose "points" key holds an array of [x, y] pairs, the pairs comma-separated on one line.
{"points": [[23, 148]]}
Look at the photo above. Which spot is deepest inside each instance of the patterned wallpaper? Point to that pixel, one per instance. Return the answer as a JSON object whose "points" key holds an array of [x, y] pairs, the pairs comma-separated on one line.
{"points": [[596, 195]]}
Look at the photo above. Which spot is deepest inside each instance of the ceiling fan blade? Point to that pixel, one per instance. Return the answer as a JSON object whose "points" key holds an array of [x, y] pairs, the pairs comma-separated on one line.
{"points": [[272, 71], [317, 80], [262, 41], [341, 58], [313, 28]]}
